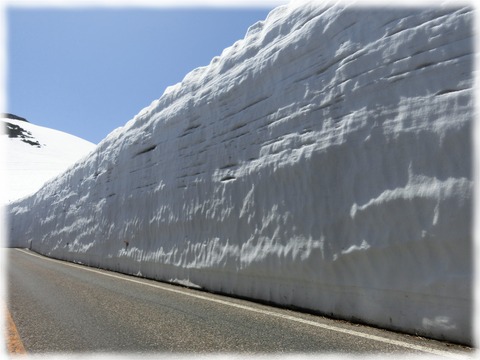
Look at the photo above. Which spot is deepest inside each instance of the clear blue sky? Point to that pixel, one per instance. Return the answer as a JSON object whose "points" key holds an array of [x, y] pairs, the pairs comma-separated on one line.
{"points": [[89, 71]]}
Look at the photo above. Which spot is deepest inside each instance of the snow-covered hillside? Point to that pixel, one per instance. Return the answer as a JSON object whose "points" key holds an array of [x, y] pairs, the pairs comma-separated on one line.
{"points": [[35, 154], [322, 162]]}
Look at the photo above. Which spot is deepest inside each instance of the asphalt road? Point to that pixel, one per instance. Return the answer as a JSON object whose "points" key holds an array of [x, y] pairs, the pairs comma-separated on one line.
{"points": [[60, 307]]}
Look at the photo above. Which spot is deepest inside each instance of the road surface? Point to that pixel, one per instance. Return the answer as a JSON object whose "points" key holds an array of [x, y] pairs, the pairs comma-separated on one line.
{"points": [[63, 307]]}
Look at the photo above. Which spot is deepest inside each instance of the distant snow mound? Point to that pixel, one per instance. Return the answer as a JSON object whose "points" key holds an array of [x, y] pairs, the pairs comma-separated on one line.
{"points": [[322, 162], [35, 154]]}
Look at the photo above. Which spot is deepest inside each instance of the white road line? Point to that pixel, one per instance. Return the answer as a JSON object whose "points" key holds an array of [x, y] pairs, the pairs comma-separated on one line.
{"points": [[264, 312]]}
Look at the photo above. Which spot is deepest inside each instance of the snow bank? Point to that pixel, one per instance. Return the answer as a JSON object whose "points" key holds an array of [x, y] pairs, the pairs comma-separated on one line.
{"points": [[323, 162]]}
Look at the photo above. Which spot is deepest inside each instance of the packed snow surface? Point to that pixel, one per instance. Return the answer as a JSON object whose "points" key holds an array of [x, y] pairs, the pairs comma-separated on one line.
{"points": [[323, 162], [35, 154]]}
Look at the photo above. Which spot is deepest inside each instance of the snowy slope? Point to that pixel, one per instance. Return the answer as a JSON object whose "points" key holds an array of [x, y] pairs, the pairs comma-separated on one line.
{"points": [[324, 162], [35, 154]]}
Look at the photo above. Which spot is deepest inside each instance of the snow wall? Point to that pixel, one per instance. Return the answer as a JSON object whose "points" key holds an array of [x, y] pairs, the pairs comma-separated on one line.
{"points": [[323, 162]]}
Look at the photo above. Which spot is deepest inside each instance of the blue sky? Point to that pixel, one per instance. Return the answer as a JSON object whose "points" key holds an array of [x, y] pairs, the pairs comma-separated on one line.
{"points": [[88, 71]]}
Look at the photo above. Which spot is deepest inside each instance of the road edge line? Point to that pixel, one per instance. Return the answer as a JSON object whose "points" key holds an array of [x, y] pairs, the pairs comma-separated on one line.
{"points": [[248, 308], [14, 342]]}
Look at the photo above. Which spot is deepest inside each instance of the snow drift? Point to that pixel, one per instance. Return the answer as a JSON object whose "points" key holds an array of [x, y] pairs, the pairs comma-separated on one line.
{"points": [[35, 154], [322, 162]]}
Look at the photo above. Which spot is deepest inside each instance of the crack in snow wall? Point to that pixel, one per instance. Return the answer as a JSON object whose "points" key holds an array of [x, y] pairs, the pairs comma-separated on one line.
{"points": [[322, 162]]}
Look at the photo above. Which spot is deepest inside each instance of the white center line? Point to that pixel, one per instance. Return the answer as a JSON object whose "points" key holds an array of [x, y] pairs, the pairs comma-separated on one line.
{"points": [[265, 312]]}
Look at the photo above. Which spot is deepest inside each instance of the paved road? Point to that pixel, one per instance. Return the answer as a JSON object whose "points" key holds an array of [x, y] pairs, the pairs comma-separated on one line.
{"points": [[64, 307]]}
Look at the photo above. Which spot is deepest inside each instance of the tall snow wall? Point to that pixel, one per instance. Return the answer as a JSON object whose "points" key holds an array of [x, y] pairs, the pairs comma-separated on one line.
{"points": [[322, 162]]}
